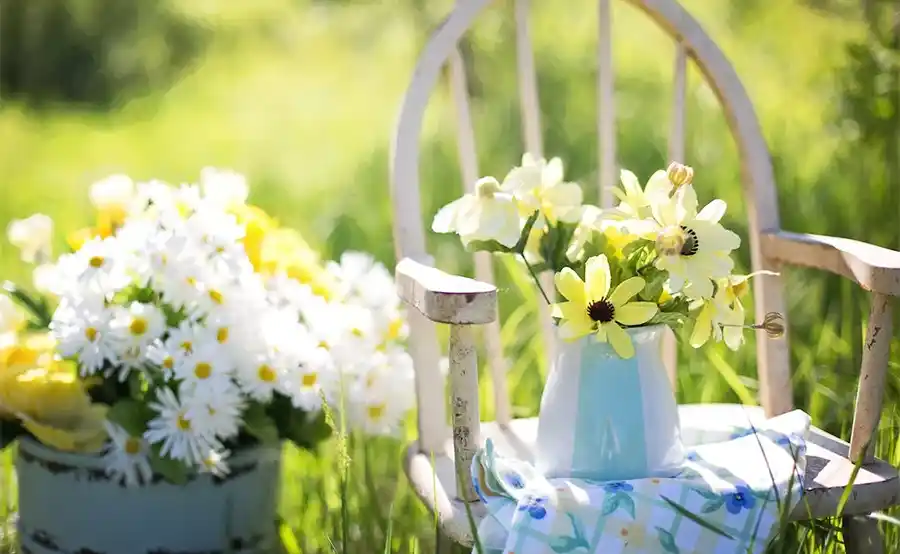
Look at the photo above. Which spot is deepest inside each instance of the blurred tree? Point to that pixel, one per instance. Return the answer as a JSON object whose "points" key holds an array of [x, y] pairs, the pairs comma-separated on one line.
{"points": [[96, 53]]}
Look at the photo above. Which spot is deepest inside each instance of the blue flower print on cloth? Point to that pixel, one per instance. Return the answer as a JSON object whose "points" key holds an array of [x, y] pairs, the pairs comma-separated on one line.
{"points": [[737, 487]]}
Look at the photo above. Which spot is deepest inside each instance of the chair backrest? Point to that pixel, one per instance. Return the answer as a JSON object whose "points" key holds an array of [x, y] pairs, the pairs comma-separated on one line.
{"points": [[409, 229]]}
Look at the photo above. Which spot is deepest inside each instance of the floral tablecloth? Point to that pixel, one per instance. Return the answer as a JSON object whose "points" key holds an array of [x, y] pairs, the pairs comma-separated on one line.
{"points": [[729, 497]]}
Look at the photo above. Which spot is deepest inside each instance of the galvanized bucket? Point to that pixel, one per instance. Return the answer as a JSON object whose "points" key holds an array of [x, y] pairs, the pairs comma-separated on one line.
{"points": [[68, 504]]}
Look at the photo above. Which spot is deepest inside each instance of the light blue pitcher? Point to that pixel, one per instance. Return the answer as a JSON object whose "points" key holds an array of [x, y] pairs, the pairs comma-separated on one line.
{"points": [[606, 418]]}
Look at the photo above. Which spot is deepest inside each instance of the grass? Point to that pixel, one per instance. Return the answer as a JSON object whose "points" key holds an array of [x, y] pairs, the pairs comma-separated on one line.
{"points": [[302, 96]]}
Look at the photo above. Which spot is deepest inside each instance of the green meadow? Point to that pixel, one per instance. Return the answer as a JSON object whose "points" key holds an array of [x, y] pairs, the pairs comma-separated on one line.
{"points": [[302, 95]]}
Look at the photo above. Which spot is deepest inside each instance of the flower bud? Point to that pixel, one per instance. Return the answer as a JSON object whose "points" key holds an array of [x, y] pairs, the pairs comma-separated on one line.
{"points": [[773, 325], [487, 187], [679, 174], [670, 241]]}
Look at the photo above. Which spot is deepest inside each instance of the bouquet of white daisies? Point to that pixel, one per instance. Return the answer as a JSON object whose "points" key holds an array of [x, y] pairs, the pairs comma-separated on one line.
{"points": [[189, 324]]}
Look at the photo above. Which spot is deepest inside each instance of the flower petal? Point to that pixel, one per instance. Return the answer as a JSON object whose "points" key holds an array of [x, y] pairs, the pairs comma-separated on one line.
{"points": [[636, 313], [445, 220], [702, 326], [573, 330], [573, 312], [626, 291], [596, 276], [619, 340], [713, 211], [571, 286]]}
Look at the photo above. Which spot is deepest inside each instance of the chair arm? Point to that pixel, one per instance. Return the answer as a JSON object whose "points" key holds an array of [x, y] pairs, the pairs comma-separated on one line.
{"points": [[874, 268], [445, 298]]}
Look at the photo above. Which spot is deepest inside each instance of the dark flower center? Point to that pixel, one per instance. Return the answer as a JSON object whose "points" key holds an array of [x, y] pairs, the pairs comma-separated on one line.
{"points": [[691, 242], [601, 311], [739, 496]]}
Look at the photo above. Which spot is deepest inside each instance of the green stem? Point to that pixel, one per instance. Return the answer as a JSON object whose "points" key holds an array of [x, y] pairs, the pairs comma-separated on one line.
{"points": [[536, 279]]}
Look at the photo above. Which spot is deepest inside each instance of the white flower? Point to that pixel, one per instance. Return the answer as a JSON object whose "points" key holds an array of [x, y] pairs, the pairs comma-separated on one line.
{"points": [[183, 340], [47, 279], [223, 188], [83, 329], [215, 232], [260, 374], [363, 280], [214, 407], [705, 246], [538, 186], [126, 457], [115, 192], [32, 236], [486, 215], [214, 463], [97, 266], [139, 324], [635, 202], [172, 427], [383, 394], [312, 377], [207, 362], [160, 355]]}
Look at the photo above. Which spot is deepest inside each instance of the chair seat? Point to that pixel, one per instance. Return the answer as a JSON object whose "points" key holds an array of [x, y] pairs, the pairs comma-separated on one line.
{"points": [[828, 471]]}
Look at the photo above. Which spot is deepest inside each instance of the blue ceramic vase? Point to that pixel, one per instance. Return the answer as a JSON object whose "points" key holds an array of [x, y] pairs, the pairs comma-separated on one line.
{"points": [[68, 504], [606, 418]]}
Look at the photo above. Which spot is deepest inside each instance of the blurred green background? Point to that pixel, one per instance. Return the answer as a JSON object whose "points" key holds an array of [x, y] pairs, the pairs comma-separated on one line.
{"points": [[301, 96]]}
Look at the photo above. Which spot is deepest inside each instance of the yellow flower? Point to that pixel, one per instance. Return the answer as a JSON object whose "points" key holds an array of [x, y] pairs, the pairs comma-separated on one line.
{"points": [[722, 316], [592, 308], [284, 250], [258, 224], [52, 404]]}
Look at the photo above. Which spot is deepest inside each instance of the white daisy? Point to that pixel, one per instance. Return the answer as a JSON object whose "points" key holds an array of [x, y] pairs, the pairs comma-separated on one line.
{"points": [[214, 462], [223, 188], [260, 373], [83, 330], [172, 427], [138, 325], [208, 362], [161, 356], [184, 339], [98, 266], [214, 407], [126, 457], [312, 376], [362, 280]]}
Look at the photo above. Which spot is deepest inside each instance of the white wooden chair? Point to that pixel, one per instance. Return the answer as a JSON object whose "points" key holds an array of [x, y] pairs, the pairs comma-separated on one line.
{"points": [[442, 452]]}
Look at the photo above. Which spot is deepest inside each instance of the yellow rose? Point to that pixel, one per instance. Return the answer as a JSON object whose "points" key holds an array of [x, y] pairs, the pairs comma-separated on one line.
{"points": [[284, 250], [51, 402], [258, 225]]}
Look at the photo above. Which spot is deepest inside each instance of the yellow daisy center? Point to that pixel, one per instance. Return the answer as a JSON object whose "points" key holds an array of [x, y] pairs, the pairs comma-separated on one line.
{"points": [[91, 334], [323, 344], [138, 326], [266, 374], [132, 446], [376, 411], [216, 296], [187, 346], [222, 334], [203, 370], [169, 363], [356, 331], [183, 423], [191, 281], [96, 261], [310, 379]]}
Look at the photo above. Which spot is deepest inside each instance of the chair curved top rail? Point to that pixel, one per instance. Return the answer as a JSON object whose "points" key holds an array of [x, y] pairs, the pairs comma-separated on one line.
{"points": [[758, 177]]}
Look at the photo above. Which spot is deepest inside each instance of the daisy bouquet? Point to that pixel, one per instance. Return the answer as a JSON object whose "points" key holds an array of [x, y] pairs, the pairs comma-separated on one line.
{"points": [[186, 324], [657, 257]]}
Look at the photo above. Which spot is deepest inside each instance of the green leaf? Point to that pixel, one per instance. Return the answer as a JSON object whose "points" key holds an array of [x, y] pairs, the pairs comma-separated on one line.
{"points": [[627, 503], [610, 504], [309, 430], [173, 471], [130, 415], [596, 245], [712, 505], [37, 306], [259, 425], [695, 518], [667, 541], [654, 287], [519, 248], [487, 246]]}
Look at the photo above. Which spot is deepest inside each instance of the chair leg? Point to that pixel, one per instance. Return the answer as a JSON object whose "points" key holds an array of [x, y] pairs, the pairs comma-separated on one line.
{"points": [[861, 535], [444, 545]]}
